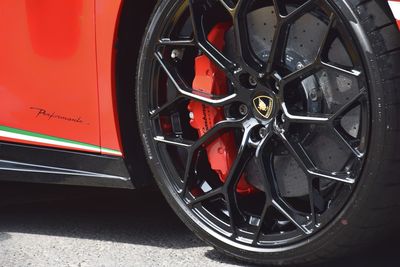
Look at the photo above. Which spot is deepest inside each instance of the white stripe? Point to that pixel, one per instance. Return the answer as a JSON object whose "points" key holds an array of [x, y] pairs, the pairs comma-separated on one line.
{"points": [[109, 151], [395, 6], [46, 141]]}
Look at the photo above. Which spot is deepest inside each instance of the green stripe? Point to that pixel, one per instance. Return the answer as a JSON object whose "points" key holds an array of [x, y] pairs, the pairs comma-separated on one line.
{"points": [[23, 132], [110, 150]]}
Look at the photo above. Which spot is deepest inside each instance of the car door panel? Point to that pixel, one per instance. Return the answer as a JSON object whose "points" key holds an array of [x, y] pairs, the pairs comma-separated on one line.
{"points": [[48, 73]]}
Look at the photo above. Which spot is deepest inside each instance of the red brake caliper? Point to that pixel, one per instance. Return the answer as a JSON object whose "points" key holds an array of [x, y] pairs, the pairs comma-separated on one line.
{"points": [[211, 80]]}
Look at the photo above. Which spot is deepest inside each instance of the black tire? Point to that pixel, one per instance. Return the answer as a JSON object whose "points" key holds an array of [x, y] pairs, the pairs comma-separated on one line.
{"points": [[370, 212]]}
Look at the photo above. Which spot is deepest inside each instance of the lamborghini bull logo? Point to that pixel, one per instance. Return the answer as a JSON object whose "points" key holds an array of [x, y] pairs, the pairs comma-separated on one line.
{"points": [[264, 106]]}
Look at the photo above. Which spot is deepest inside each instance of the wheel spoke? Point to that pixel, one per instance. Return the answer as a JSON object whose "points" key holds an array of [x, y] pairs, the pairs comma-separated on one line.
{"points": [[174, 141], [309, 168], [296, 218], [229, 188], [326, 40], [185, 90], [244, 154], [192, 146], [228, 7], [348, 140], [196, 10], [311, 197], [298, 12], [233, 210], [268, 185], [209, 195], [354, 102], [298, 153], [170, 105], [263, 216], [279, 7], [343, 177], [186, 175], [225, 124], [325, 118], [271, 189], [318, 64], [169, 42], [207, 137], [310, 118], [277, 48], [341, 70], [300, 74], [280, 39], [247, 55]]}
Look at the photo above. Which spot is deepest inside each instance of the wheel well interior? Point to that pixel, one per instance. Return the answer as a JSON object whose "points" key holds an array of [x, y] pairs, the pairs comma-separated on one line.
{"points": [[132, 23]]}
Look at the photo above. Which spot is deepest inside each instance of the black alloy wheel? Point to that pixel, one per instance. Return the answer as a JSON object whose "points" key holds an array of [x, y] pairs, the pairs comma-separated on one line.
{"points": [[301, 107]]}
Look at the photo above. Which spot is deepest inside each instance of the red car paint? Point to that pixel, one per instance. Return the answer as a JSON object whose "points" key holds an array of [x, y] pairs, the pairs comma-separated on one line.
{"points": [[56, 72], [107, 14]]}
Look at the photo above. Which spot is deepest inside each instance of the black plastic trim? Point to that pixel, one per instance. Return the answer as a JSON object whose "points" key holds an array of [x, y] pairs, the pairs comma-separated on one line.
{"points": [[129, 38], [23, 163]]}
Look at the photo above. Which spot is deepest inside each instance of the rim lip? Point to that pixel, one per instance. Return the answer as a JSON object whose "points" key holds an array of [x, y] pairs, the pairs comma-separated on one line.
{"points": [[354, 28]]}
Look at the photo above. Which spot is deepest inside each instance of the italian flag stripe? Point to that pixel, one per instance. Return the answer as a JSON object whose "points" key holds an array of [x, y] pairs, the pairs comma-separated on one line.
{"points": [[18, 134]]}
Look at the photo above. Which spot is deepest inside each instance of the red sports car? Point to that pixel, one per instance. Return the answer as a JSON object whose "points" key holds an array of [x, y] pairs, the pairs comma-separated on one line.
{"points": [[272, 127]]}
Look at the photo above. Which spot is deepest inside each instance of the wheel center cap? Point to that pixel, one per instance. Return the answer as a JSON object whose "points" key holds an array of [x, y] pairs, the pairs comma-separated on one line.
{"points": [[264, 105]]}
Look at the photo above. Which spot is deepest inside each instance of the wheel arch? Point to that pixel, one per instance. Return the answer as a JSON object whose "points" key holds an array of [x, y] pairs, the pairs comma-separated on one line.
{"points": [[132, 23]]}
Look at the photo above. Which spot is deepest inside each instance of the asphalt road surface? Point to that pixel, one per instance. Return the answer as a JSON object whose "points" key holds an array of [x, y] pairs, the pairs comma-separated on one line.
{"points": [[42, 225]]}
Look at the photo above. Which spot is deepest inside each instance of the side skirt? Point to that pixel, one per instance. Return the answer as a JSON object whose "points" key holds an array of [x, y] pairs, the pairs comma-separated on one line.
{"points": [[44, 165]]}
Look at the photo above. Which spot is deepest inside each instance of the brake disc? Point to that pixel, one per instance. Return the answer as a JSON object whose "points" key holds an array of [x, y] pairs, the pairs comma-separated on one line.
{"points": [[303, 43]]}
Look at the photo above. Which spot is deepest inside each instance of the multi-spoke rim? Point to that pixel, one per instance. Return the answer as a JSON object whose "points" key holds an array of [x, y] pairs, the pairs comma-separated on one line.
{"points": [[274, 80]]}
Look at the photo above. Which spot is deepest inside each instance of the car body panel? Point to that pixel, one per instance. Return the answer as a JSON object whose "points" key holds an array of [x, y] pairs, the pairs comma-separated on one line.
{"points": [[107, 14], [56, 76], [24, 163]]}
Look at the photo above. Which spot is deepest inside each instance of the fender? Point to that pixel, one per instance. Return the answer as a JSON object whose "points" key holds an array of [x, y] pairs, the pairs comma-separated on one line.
{"points": [[58, 77], [107, 22]]}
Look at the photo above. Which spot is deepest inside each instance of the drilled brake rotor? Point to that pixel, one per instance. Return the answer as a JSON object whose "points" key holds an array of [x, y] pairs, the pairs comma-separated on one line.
{"points": [[302, 46]]}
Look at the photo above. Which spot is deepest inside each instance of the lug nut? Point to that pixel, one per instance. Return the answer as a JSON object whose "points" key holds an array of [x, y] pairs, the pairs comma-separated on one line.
{"points": [[177, 54], [299, 66], [243, 110], [314, 94], [252, 81], [263, 132]]}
